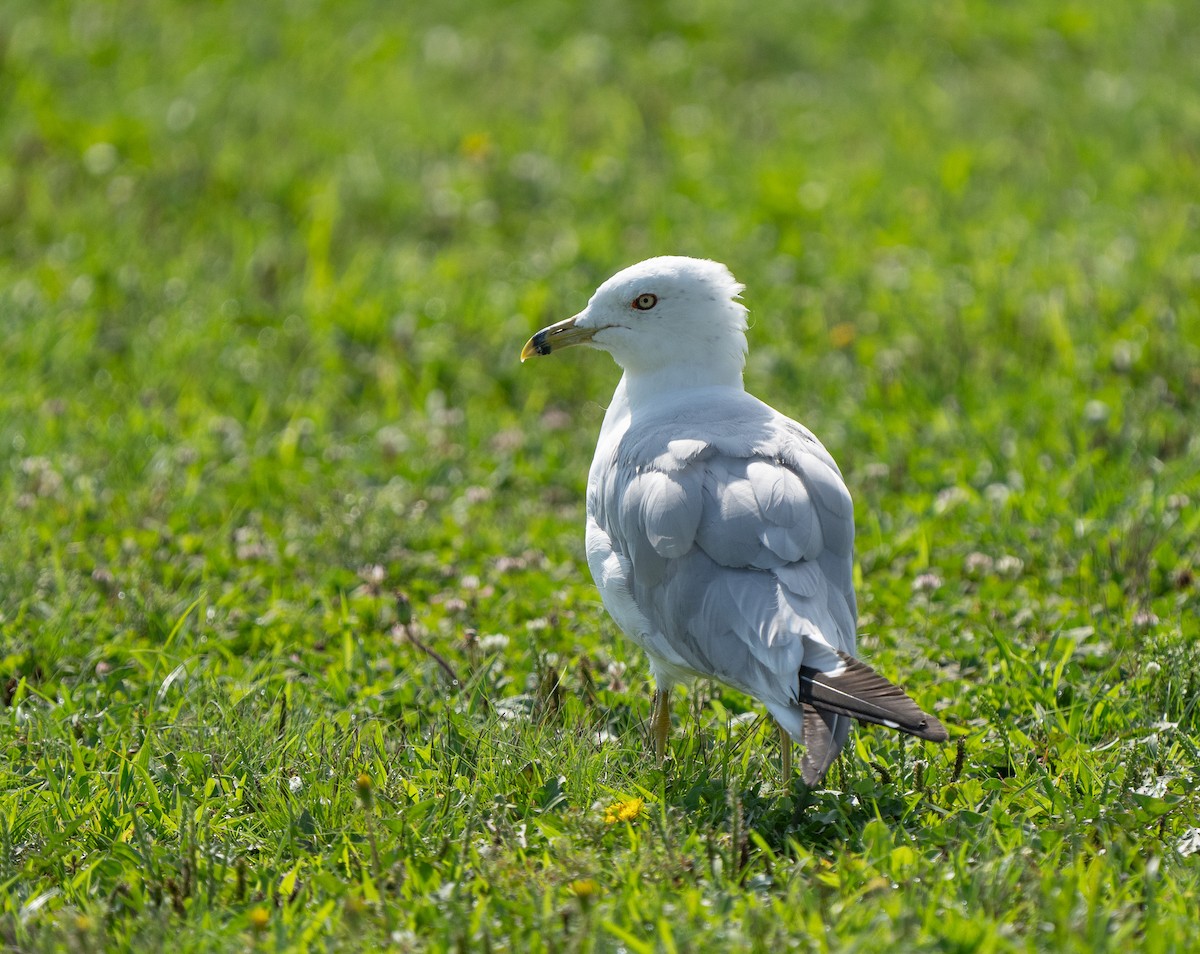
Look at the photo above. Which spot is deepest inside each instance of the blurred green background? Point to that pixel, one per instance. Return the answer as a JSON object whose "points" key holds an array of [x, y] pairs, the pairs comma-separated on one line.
{"points": [[265, 272]]}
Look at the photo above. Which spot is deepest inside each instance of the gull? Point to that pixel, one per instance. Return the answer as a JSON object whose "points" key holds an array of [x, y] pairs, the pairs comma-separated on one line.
{"points": [[719, 531]]}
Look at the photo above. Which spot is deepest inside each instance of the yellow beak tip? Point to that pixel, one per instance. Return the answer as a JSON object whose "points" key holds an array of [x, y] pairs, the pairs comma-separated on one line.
{"points": [[565, 334]]}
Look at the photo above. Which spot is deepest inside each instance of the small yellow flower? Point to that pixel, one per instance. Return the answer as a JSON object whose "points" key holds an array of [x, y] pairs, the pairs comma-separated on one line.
{"points": [[260, 917], [476, 146], [584, 889], [83, 923], [366, 789], [842, 335], [624, 811]]}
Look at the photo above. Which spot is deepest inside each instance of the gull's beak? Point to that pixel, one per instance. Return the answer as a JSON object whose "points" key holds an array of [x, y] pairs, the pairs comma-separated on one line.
{"points": [[564, 334]]}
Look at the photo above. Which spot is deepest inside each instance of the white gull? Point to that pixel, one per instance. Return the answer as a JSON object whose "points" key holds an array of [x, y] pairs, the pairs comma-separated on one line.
{"points": [[719, 531]]}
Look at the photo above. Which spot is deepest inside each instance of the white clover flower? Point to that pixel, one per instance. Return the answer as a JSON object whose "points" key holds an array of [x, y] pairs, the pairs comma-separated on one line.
{"points": [[926, 581], [1009, 565], [493, 643], [978, 563]]}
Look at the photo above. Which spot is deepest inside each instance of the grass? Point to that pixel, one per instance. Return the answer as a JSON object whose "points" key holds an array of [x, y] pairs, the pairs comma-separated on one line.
{"points": [[297, 642]]}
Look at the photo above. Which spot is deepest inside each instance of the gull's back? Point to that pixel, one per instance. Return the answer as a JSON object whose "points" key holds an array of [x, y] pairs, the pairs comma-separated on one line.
{"points": [[721, 535]]}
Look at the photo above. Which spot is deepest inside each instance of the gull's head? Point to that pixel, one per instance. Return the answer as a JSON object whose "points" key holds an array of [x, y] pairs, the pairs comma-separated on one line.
{"points": [[661, 313]]}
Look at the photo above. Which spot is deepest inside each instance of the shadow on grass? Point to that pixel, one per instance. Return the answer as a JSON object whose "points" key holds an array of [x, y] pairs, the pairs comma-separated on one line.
{"points": [[819, 820]]}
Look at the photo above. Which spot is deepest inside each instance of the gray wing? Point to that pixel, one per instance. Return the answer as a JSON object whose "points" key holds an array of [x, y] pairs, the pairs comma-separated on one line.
{"points": [[737, 532]]}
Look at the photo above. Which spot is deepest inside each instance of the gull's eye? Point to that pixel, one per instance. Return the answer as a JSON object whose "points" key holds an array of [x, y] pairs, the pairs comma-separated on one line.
{"points": [[645, 302]]}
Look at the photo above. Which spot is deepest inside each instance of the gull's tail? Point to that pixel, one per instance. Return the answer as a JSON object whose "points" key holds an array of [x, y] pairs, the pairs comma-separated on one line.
{"points": [[859, 691]]}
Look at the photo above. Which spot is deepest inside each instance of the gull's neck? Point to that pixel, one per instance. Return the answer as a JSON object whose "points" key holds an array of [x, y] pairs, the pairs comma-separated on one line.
{"points": [[641, 386], [647, 390]]}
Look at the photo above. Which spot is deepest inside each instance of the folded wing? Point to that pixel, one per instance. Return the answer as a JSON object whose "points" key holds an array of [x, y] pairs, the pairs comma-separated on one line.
{"points": [[734, 535]]}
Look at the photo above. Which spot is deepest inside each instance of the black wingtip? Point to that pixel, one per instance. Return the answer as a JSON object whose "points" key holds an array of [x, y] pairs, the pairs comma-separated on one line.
{"points": [[820, 743], [859, 691], [935, 731]]}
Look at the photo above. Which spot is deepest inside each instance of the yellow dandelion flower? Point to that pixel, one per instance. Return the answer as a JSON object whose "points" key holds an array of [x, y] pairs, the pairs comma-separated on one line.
{"points": [[366, 790], [624, 811], [260, 918], [842, 335], [584, 889], [476, 146]]}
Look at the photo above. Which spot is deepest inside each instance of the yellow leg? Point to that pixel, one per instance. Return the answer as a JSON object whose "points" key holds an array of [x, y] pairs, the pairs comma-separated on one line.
{"points": [[785, 755], [660, 722]]}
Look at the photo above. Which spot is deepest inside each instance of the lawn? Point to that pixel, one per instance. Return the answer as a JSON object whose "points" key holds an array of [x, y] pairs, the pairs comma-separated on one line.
{"points": [[298, 645]]}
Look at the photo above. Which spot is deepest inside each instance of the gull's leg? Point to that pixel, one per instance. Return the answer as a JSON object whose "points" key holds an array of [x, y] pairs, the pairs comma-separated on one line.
{"points": [[660, 722], [785, 755]]}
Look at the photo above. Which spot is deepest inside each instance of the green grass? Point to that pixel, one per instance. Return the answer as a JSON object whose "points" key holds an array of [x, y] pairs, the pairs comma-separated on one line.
{"points": [[281, 509]]}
